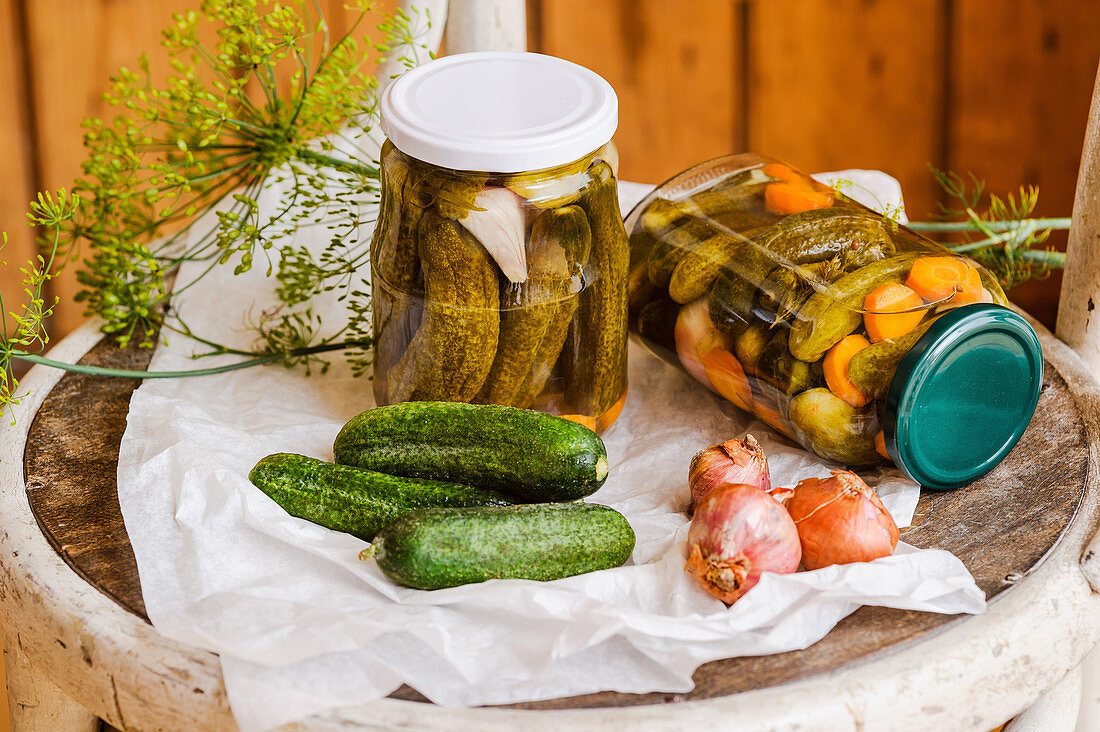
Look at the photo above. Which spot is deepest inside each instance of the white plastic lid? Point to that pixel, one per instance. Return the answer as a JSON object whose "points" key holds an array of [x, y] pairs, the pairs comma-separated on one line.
{"points": [[499, 111]]}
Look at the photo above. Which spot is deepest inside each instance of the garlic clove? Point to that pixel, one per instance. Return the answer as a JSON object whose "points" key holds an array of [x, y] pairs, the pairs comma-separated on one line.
{"points": [[499, 226]]}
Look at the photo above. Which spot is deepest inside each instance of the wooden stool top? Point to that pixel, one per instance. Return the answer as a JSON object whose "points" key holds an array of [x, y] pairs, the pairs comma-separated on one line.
{"points": [[1001, 527]]}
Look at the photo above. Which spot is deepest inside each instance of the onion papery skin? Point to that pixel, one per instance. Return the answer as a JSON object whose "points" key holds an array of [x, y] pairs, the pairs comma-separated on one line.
{"points": [[841, 520], [733, 461], [781, 494], [739, 532]]}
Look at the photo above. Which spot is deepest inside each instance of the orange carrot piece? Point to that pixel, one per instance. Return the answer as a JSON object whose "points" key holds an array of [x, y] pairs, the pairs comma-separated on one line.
{"points": [[940, 278], [967, 297], [836, 369], [891, 311], [779, 171], [792, 198], [880, 445], [768, 414], [608, 418], [589, 422], [728, 378]]}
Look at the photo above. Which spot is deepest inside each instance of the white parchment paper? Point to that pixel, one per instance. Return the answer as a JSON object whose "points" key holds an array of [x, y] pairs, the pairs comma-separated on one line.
{"points": [[302, 626]]}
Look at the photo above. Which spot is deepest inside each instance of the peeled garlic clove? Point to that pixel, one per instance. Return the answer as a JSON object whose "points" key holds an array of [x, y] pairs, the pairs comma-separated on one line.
{"points": [[499, 226]]}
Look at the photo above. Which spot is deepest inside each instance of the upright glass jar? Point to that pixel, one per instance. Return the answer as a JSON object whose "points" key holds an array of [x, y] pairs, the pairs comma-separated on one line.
{"points": [[499, 261], [844, 330]]}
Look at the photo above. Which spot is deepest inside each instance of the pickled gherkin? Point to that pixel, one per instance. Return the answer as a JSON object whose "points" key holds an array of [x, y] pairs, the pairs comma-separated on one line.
{"points": [[449, 357], [816, 299], [535, 315], [596, 347]]}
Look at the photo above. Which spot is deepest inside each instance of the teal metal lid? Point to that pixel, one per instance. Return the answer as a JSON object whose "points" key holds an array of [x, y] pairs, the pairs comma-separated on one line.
{"points": [[962, 397]]}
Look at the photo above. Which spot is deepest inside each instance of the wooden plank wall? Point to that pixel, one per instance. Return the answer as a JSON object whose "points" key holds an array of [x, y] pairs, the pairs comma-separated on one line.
{"points": [[997, 87]]}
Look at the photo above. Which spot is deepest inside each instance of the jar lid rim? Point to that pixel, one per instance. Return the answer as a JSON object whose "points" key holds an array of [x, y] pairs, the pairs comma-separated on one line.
{"points": [[963, 395], [499, 111]]}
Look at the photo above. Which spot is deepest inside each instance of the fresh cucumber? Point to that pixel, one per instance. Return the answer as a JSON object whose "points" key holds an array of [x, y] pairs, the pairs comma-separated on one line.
{"points": [[431, 548], [528, 454], [359, 502]]}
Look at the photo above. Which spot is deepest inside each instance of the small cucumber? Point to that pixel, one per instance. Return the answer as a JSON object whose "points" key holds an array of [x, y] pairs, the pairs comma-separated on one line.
{"points": [[595, 350], [834, 429], [819, 234], [777, 366], [432, 548], [835, 312], [872, 369], [358, 502], [696, 271], [527, 454]]}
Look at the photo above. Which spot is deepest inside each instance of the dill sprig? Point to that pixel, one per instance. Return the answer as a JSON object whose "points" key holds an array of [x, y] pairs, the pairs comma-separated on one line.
{"points": [[275, 105], [1003, 236]]}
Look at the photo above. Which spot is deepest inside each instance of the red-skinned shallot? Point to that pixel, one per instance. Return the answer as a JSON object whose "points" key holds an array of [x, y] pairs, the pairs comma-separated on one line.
{"points": [[738, 532], [733, 461], [840, 520]]}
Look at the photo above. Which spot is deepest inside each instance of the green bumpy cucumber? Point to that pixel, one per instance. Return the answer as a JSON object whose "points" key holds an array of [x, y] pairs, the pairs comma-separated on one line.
{"points": [[358, 502], [820, 234], [596, 352], [433, 548], [453, 350], [836, 311], [535, 323], [528, 454], [777, 366], [696, 271], [850, 238], [834, 429], [395, 266], [872, 368]]}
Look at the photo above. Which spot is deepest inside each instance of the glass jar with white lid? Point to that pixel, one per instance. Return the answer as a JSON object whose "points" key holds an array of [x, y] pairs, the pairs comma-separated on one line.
{"points": [[499, 261]]}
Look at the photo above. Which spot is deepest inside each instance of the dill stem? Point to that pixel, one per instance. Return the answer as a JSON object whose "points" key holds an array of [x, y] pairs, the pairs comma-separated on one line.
{"points": [[258, 360], [1053, 223], [304, 153]]}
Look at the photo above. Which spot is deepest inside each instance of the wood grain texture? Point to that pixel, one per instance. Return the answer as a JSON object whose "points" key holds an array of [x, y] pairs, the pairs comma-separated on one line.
{"points": [[75, 46], [15, 154], [853, 83], [79, 433], [836, 84], [1020, 85], [1001, 527], [1081, 283], [675, 70]]}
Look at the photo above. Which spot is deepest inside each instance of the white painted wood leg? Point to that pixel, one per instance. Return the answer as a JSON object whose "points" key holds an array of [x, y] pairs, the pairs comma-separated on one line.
{"points": [[35, 704], [486, 25], [1089, 718], [1055, 711]]}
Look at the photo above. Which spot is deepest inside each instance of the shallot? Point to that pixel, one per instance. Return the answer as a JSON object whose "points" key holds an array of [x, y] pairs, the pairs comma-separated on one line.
{"points": [[733, 461], [840, 520], [739, 532]]}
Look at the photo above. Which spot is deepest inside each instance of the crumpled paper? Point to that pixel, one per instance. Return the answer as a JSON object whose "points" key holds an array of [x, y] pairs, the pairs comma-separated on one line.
{"points": [[303, 626]]}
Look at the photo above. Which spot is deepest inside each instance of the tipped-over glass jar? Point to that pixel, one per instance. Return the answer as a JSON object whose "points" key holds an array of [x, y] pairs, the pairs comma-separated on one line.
{"points": [[843, 330], [499, 261]]}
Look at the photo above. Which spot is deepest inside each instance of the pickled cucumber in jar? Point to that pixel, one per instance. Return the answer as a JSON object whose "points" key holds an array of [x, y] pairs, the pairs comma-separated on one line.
{"points": [[500, 260], [840, 328]]}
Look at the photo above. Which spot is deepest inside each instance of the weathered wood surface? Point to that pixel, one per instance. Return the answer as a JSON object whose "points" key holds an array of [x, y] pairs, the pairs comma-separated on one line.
{"points": [[1001, 527], [1082, 282], [35, 704], [16, 152], [970, 673]]}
